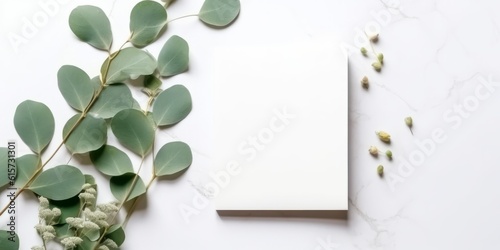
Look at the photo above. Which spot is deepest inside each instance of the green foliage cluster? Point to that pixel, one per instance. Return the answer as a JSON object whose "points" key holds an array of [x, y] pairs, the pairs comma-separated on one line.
{"points": [[69, 213]]}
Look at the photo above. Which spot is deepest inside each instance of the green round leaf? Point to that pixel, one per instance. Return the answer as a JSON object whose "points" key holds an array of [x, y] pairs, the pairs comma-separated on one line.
{"points": [[172, 105], [69, 207], [9, 240], [90, 179], [219, 12], [88, 136], [146, 21], [152, 82], [117, 234], [174, 57], [75, 86], [113, 99], [58, 183], [26, 167], [172, 158], [133, 129], [63, 230], [130, 63], [111, 161], [35, 124], [96, 83], [122, 185], [87, 244], [91, 25]]}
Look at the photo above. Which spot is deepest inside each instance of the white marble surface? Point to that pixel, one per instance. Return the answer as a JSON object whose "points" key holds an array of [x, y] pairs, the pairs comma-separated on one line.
{"points": [[441, 67]]}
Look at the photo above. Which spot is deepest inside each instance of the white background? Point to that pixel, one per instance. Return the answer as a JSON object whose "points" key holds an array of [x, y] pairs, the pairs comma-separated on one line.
{"points": [[437, 56]]}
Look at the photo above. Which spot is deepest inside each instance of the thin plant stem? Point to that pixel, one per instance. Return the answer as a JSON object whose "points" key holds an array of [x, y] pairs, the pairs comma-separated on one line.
{"points": [[181, 17]]}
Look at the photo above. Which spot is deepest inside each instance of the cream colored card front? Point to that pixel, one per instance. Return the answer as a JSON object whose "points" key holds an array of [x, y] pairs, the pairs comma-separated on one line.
{"points": [[281, 127]]}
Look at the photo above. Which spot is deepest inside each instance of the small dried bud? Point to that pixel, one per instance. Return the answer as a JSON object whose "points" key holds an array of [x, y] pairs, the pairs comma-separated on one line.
{"points": [[373, 151], [384, 136], [364, 82], [380, 58], [389, 154], [377, 66], [380, 170], [363, 51], [409, 121], [374, 38]]}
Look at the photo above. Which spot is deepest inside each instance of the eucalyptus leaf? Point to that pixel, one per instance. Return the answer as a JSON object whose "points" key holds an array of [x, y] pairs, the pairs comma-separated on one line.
{"points": [[63, 230], [26, 167], [129, 63], [87, 244], [91, 25], [69, 207], [174, 57], [133, 129], [88, 136], [9, 240], [152, 82], [122, 185], [90, 179], [75, 86], [172, 158], [219, 13], [117, 234], [111, 161], [113, 99], [146, 21], [58, 183], [4, 166], [96, 83], [172, 105], [35, 124], [92, 234]]}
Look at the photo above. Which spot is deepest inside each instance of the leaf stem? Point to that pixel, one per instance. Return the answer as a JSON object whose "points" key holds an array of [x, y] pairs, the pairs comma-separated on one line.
{"points": [[181, 17], [132, 207]]}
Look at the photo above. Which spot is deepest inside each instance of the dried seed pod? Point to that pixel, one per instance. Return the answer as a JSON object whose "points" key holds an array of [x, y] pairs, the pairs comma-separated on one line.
{"points": [[377, 66], [384, 136], [364, 82]]}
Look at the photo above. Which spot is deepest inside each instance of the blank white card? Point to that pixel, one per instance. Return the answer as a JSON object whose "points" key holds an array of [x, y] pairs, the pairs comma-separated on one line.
{"points": [[281, 127]]}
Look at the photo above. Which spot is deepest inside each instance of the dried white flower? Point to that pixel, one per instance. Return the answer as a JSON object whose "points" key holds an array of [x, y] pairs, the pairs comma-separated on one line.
{"points": [[91, 191], [88, 198], [86, 186], [102, 247], [44, 202], [373, 150], [108, 207], [71, 242], [89, 225], [48, 236], [38, 248], [75, 222]]}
